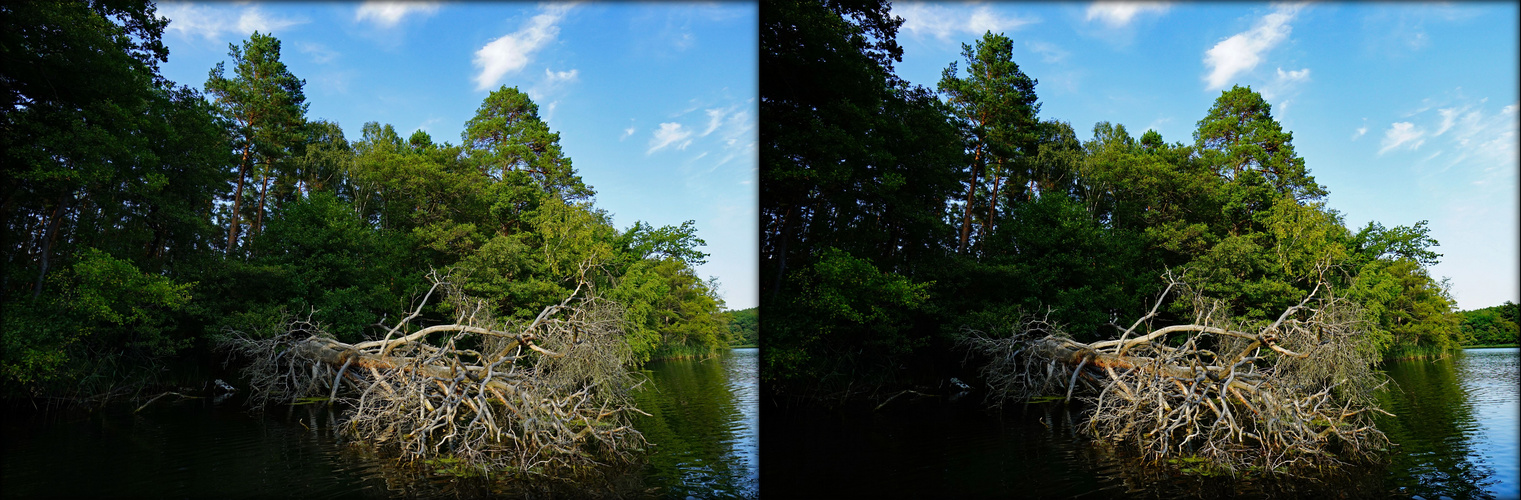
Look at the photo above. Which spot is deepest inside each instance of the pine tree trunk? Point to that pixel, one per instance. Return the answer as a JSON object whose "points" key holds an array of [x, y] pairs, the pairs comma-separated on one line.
{"points": [[259, 218], [237, 200], [47, 242], [966, 218], [992, 205]]}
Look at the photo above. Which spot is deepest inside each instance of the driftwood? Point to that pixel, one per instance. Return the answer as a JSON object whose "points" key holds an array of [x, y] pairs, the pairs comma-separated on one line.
{"points": [[548, 394], [1295, 392]]}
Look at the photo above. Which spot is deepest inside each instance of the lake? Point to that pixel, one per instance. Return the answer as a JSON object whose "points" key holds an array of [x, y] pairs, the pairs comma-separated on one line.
{"points": [[1455, 430], [703, 433]]}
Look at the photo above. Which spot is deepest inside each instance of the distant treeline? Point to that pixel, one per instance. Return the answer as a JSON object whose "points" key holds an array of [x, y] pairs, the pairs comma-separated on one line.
{"points": [[744, 327], [142, 217], [894, 215], [1492, 325]]}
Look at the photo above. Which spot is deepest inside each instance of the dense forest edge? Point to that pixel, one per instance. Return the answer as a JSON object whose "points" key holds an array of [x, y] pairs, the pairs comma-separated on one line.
{"points": [[897, 217], [146, 220]]}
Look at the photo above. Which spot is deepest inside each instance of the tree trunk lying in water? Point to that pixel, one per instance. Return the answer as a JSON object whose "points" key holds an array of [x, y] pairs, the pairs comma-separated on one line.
{"points": [[547, 395], [1295, 392]]}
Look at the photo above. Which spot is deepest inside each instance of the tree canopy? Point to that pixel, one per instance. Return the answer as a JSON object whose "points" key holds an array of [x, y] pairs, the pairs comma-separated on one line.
{"points": [[894, 217], [144, 219]]}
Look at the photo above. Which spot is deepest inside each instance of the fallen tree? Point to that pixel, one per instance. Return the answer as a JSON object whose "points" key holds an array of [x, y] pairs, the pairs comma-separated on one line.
{"points": [[547, 394], [1295, 392]]}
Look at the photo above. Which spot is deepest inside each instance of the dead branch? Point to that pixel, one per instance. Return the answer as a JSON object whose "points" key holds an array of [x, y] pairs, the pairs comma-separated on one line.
{"points": [[547, 395], [1295, 392]]}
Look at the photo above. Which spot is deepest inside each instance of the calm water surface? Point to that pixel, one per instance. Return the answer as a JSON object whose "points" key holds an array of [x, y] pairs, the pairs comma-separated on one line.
{"points": [[703, 431], [1456, 434]]}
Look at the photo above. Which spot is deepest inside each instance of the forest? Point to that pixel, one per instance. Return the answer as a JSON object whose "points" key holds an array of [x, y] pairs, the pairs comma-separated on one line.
{"points": [[1493, 325], [146, 221], [897, 219]]}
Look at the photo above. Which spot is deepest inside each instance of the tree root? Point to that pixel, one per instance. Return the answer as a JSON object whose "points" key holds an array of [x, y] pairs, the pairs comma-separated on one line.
{"points": [[549, 395], [1295, 392]]}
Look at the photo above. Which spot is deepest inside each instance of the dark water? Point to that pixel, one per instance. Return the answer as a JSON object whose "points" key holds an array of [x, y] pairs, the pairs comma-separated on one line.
{"points": [[1456, 434], [703, 433]]}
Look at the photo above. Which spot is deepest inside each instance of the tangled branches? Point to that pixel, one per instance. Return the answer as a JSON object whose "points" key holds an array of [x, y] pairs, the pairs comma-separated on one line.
{"points": [[1295, 392], [548, 394]]}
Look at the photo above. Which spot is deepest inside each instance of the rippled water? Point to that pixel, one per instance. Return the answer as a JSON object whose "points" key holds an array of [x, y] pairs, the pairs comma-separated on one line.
{"points": [[703, 431], [1456, 421], [705, 426], [1456, 432]]}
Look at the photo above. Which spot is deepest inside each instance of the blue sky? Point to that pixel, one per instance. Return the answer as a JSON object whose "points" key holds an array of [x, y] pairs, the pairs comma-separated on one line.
{"points": [[1404, 111], [655, 103]]}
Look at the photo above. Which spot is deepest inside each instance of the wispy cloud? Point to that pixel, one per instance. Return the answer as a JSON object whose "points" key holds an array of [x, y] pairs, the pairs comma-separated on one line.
{"points": [[1449, 117], [1488, 138], [513, 51], [1243, 51], [1117, 14], [670, 134], [715, 119], [1048, 52], [627, 133], [1404, 135], [945, 22], [559, 77], [319, 52], [389, 14], [551, 87], [1470, 133], [1359, 132], [1296, 76], [217, 22], [1285, 86]]}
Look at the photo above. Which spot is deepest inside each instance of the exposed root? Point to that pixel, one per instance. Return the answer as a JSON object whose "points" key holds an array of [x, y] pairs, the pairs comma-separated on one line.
{"points": [[551, 394], [1295, 392]]}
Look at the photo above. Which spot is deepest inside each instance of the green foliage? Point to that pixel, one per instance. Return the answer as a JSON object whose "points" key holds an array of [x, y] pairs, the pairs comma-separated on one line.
{"points": [[1490, 326], [744, 327], [1410, 243], [1019, 217], [1239, 135], [266, 106], [329, 261], [846, 313], [506, 135], [120, 188], [98, 302]]}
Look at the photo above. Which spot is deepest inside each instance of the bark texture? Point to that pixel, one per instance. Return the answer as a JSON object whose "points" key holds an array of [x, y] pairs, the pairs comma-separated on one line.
{"points": [[548, 395], [1296, 392]]}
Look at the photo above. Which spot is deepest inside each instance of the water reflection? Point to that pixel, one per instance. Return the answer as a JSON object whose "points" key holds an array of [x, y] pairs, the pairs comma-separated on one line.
{"points": [[1455, 434], [704, 426], [1455, 425]]}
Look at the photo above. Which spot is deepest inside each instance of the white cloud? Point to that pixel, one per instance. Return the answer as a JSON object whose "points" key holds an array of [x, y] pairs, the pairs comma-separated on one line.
{"points": [[1048, 52], [388, 14], [1302, 75], [669, 134], [1360, 131], [556, 77], [1243, 51], [737, 121], [1449, 116], [626, 133], [1117, 14], [512, 52], [253, 20], [217, 22], [945, 22], [1401, 134]]}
